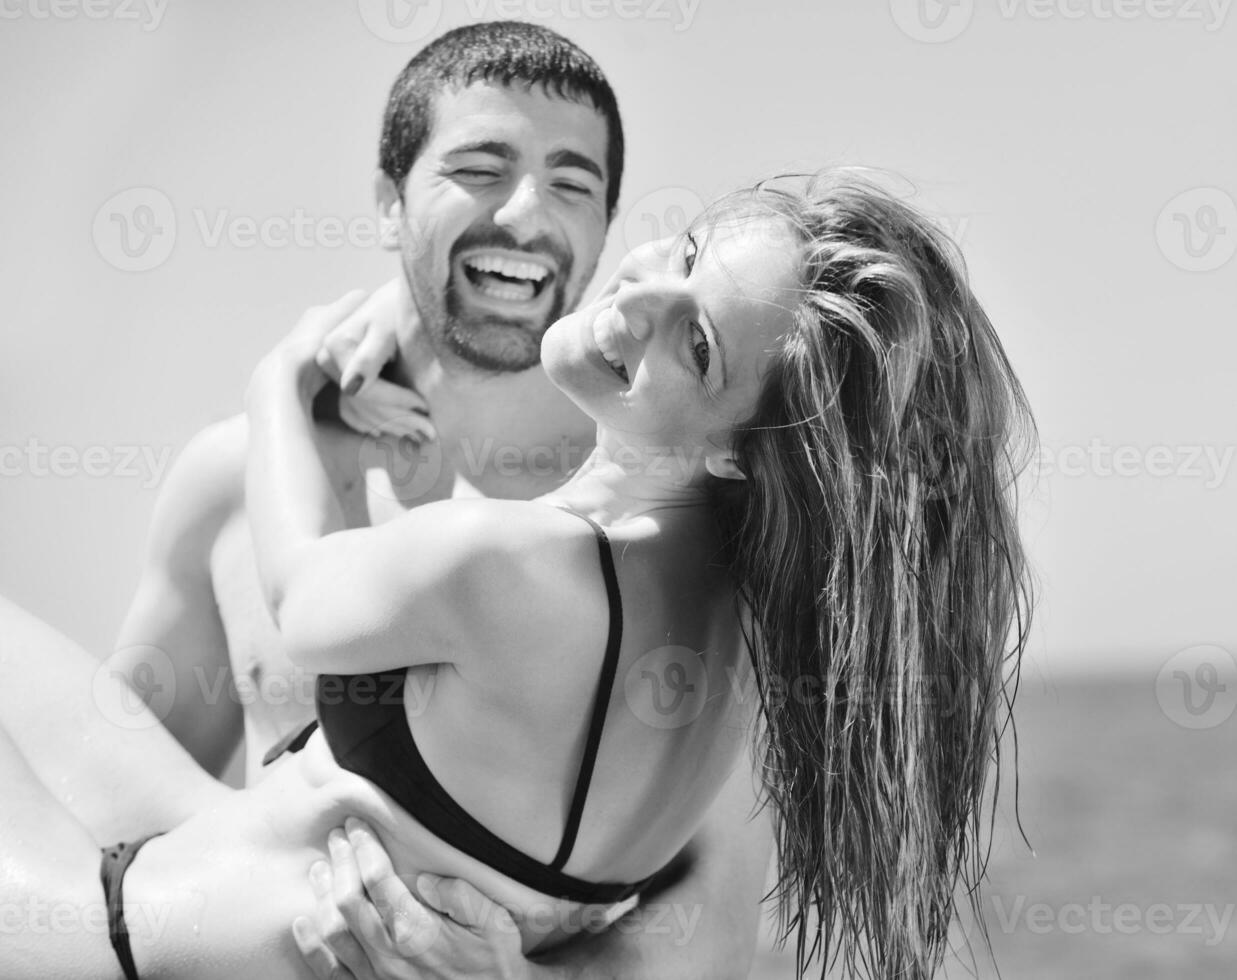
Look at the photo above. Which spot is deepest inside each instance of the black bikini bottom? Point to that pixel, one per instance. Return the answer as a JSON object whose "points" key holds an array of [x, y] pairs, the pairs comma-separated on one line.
{"points": [[116, 861]]}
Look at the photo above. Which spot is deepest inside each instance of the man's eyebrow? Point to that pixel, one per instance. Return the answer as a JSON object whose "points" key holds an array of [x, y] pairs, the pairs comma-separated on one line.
{"points": [[570, 158], [493, 148]]}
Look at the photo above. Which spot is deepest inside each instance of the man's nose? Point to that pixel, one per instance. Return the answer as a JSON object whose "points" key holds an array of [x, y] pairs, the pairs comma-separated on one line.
{"points": [[523, 214]]}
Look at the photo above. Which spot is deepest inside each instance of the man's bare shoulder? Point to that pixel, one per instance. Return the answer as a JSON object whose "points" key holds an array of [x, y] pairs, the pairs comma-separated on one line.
{"points": [[211, 467], [204, 488]]}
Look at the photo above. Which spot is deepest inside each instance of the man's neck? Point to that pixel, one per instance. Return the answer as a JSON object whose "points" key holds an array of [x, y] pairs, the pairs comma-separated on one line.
{"points": [[494, 424]]}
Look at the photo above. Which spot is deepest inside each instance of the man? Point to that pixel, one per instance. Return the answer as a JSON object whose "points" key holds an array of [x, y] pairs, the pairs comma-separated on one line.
{"points": [[501, 159]]}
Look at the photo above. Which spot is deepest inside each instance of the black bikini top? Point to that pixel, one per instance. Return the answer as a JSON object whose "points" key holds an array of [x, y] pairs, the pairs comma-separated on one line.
{"points": [[363, 719]]}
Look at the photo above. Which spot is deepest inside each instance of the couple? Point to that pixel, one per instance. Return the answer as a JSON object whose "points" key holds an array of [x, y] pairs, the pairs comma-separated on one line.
{"points": [[802, 420]]}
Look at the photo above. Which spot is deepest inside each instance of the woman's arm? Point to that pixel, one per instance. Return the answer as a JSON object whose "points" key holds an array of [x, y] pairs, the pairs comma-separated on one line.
{"points": [[341, 598], [442, 580], [288, 494]]}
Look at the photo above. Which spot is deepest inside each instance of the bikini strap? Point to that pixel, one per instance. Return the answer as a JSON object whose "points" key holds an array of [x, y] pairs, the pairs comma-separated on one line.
{"points": [[601, 702]]}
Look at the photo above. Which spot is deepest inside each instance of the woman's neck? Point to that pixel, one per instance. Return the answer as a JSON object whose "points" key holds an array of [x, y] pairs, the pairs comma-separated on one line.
{"points": [[615, 485]]}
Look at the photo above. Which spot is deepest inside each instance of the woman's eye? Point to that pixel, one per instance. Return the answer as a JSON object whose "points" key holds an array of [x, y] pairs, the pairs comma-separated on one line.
{"points": [[700, 348], [689, 252]]}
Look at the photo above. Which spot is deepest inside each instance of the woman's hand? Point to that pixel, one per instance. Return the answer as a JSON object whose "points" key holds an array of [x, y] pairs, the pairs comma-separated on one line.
{"points": [[355, 351], [371, 927], [296, 355]]}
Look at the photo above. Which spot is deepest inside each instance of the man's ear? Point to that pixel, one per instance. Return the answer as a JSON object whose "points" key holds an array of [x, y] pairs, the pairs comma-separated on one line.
{"points": [[724, 467], [390, 211]]}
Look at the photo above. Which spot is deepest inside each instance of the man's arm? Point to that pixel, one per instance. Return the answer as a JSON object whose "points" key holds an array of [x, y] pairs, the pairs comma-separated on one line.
{"points": [[172, 647]]}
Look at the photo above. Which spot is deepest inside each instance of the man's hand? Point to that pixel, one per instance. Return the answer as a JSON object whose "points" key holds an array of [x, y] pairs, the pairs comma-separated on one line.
{"points": [[371, 927]]}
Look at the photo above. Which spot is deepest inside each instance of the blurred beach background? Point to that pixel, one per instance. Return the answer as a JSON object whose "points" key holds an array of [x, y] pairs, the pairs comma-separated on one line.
{"points": [[182, 178], [1131, 820]]}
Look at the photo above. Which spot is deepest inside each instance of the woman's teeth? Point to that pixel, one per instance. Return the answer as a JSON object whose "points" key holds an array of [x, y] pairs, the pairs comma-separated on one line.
{"points": [[504, 278], [605, 342]]}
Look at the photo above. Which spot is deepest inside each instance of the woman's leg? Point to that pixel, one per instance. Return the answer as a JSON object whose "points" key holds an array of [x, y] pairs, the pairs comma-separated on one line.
{"points": [[89, 738], [53, 918]]}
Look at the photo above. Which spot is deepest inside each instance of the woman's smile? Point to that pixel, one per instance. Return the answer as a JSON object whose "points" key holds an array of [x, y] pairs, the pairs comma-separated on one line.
{"points": [[604, 336]]}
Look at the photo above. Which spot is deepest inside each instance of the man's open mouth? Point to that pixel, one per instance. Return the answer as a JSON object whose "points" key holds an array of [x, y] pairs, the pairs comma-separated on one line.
{"points": [[503, 277]]}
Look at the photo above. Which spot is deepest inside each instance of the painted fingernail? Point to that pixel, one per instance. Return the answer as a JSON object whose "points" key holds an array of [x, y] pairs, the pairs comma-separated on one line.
{"points": [[354, 385], [336, 838], [319, 875]]}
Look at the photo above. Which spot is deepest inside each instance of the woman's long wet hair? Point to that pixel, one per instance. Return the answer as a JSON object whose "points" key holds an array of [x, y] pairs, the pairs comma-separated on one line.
{"points": [[877, 553]]}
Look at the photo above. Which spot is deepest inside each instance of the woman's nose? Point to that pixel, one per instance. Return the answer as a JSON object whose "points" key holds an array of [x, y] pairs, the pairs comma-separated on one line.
{"points": [[645, 303], [647, 259]]}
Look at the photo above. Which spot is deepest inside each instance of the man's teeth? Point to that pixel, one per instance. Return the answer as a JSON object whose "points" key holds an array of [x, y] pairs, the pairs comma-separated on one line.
{"points": [[506, 290], [511, 268], [503, 278]]}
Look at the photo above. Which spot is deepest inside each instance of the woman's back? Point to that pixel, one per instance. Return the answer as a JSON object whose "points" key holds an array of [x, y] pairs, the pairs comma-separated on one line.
{"points": [[504, 734]]}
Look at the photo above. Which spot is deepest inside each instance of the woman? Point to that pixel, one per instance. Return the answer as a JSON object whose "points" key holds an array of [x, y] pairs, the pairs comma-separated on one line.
{"points": [[802, 480]]}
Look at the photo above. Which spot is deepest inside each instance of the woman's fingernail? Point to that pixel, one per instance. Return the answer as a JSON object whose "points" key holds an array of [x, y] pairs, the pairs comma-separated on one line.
{"points": [[402, 928], [336, 838], [354, 385]]}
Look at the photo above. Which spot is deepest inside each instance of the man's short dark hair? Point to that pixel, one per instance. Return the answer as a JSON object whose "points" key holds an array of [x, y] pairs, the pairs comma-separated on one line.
{"points": [[497, 52]]}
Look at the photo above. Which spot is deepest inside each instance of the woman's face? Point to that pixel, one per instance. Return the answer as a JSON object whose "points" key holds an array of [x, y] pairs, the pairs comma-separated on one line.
{"points": [[671, 355]]}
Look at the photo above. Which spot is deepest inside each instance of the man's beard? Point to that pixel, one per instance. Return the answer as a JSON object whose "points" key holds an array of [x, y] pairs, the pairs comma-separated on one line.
{"points": [[487, 340], [495, 343]]}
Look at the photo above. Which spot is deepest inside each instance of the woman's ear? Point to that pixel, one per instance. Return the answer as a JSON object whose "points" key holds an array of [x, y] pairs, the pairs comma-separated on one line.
{"points": [[724, 467], [390, 211]]}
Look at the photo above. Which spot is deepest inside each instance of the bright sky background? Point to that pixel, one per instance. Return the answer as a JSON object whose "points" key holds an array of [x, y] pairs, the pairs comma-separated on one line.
{"points": [[1054, 137]]}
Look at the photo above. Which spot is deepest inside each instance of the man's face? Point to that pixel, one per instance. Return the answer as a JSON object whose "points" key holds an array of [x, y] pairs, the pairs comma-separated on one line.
{"points": [[503, 220]]}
